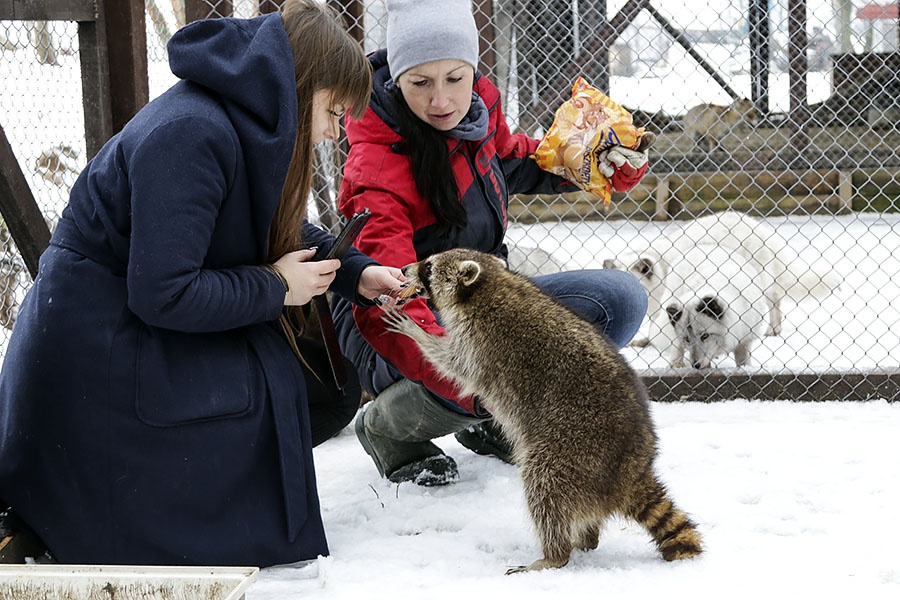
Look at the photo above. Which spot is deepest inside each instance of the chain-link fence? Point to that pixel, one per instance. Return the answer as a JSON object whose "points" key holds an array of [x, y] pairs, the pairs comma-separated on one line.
{"points": [[766, 231]]}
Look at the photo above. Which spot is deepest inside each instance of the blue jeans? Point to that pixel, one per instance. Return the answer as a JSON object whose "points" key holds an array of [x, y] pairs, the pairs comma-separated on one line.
{"points": [[613, 301]]}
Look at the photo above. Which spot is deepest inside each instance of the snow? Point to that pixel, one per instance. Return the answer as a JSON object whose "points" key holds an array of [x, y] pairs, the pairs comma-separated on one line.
{"points": [[791, 498]]}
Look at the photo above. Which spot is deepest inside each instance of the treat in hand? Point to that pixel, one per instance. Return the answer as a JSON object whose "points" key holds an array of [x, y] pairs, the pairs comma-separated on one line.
{"points": [[591, 134]]}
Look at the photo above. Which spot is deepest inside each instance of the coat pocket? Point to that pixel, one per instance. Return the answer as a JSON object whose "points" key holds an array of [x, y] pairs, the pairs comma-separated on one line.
{"points": [[194, 377]]}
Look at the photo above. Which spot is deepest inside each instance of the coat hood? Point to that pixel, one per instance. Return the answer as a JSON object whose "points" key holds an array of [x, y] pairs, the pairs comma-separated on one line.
{"points": [[243, 61], [247, 66]]}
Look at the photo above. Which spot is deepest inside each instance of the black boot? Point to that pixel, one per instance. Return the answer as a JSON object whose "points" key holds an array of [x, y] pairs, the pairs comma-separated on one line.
{"points": [[486, 438], [396, 431]]}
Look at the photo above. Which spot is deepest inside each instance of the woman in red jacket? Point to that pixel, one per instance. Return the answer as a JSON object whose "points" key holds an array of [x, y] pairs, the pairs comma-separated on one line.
{"points": [[434, 161]]}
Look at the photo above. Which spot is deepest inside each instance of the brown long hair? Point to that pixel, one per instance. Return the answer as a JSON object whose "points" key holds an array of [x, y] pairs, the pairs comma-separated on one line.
{"points": [[326, 57], [432, 172]]}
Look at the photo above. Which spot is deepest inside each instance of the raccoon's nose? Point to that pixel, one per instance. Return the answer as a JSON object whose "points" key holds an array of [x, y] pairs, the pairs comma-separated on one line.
{"points": [[698, 365]]}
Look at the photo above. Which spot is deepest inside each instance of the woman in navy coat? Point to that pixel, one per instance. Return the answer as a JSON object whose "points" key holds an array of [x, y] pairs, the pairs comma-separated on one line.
{"points": [[155, 407]]}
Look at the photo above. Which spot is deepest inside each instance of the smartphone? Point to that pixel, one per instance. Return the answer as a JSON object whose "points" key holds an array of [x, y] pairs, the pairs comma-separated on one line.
{"points": [[338, 250], [348, 234]]}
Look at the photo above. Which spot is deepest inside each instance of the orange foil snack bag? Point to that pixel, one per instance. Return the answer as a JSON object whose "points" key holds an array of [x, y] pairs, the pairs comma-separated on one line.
{"points": [[584, 127]]}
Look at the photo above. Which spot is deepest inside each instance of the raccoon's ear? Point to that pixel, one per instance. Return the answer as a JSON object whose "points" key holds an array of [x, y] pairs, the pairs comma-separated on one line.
{"points": [[468, 273], [711, 307], [675, 313]]}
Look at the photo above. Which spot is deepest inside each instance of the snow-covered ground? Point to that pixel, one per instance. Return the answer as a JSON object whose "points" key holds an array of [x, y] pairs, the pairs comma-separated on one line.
{"points": [[793, 500]]}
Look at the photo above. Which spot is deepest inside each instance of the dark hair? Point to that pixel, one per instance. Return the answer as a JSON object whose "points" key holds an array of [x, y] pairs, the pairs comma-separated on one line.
{"points": [[432, 173], [326, 57]]}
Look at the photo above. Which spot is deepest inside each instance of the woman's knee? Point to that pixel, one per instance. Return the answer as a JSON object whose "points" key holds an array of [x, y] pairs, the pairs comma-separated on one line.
{"points": [[614, 301], [628, 304]]}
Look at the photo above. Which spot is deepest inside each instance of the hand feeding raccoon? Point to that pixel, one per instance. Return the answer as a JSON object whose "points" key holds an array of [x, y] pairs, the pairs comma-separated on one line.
{"points": [[575, 412]]}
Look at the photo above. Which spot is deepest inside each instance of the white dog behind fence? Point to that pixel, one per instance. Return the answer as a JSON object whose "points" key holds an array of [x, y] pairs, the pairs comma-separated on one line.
{"points": [[704, 255]]}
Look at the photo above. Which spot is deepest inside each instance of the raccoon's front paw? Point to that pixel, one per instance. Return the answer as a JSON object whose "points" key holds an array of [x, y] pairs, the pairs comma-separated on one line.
{"points": [[397, 320]]}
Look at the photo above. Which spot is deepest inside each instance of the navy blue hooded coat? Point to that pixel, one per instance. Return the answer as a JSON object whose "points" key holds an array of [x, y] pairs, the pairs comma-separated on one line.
{"points": [[150, 410]]}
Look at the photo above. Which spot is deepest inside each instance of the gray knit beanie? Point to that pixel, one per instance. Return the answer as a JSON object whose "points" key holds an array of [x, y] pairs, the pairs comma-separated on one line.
{"points": [[420, 31]]}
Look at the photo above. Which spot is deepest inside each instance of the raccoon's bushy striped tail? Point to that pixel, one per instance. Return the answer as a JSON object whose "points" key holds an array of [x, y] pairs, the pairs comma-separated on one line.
{"points": [[675, 534]]}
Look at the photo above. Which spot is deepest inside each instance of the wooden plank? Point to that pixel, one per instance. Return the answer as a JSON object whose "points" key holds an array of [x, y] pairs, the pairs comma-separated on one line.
{"points": [[44, 10], [19, 209], [690, 194], [798, 387]]}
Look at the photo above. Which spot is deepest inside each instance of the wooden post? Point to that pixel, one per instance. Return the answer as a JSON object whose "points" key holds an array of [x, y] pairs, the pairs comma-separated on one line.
{"points": [[269, 6], [126, 39], [594, 16], [484, 22], [353, 12], [758, 19], [597, 45], [661, 197], [798, 117], [196, 10], [845, 193], [19, 209], [95, 92]]}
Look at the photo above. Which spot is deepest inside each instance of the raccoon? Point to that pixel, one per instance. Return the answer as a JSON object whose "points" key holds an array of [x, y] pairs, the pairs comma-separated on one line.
{"points": [[576, 414]]}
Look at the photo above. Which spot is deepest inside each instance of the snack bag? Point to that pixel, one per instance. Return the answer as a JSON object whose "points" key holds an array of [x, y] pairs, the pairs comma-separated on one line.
{"points": [[584, 127]]}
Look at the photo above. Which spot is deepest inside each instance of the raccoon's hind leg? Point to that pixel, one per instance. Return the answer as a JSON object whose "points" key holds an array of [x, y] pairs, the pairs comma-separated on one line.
{"points": [[553, 514], [674, 533]]}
